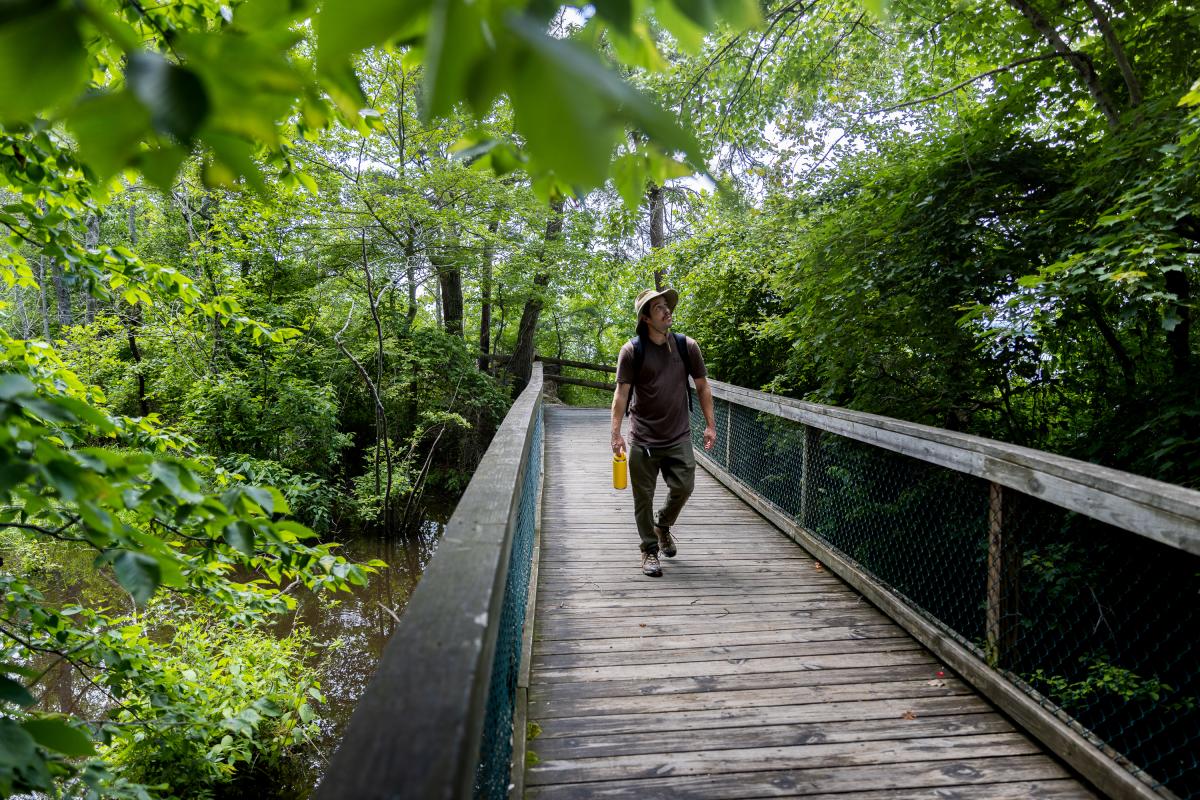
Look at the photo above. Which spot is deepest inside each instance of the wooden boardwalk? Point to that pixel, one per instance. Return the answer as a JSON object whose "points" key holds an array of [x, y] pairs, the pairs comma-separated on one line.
{"points": [[745, 671]]}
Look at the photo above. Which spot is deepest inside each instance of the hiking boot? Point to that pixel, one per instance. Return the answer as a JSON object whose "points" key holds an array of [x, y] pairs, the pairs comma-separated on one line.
{"points": [[666, 542], [650, 565]]}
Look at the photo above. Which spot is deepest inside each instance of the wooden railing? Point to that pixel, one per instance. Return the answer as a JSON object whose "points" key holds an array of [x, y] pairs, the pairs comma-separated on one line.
{"points": [[554, 376], [419, 729]]}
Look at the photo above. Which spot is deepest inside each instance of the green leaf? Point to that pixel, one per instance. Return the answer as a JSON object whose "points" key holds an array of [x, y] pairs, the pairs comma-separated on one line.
{"points": [[138, 573], [629, 178], [160, 165], [42, 60], [306, 713], [178, 480], [13, 385], [262, 497], [618, 13], [57, 735], [880, 9], [109, 129], [235, 157], [740, 14], [451, 48], [688, 34], [1192, 98], [346, 26], [17, 747], [240, 537], [15, 692], [174, 96], [702, 12]]}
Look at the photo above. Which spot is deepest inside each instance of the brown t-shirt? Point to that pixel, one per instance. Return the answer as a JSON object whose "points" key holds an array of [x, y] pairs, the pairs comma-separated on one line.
{"points": [[659, 409]]}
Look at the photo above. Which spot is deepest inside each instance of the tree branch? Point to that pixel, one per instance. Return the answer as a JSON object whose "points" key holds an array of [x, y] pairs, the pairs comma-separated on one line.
{"points": [[968, 81]]}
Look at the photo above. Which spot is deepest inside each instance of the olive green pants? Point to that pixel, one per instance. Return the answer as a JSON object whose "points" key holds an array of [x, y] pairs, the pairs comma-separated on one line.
{"points": [[677, 464]]}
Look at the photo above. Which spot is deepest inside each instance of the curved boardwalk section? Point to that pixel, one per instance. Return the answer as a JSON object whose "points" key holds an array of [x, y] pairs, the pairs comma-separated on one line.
{"points": [[747, 670]]}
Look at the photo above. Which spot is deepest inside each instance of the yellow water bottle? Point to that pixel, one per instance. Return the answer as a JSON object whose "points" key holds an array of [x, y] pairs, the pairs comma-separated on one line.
{"points": [[619, 463]]}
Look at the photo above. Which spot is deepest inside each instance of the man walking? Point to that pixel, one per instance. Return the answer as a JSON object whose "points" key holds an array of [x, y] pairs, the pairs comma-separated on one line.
{"points": [[654, 367]]}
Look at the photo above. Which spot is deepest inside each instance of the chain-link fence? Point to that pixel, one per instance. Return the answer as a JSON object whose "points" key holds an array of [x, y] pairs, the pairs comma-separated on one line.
{"points": [[495, 757], [1089, 619]]}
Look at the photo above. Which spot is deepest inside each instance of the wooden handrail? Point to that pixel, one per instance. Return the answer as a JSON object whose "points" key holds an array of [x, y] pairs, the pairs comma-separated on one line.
{"points": [[561, 362], [1160, 511], [415, 733]]}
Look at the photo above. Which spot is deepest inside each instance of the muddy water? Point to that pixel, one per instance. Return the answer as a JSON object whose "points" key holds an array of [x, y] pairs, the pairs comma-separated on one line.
{"points": [[350, 629], [362, 623]]}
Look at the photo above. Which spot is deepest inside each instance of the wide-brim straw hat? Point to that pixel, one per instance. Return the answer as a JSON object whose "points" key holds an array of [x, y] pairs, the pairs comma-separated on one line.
{"points": [[670, 295]]}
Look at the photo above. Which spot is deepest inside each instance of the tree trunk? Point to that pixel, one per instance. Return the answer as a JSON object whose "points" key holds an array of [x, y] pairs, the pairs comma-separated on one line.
{"points": [[1080, 62], [132, 319], [26, 324], [521, 364], [410, 276], [450, 288], [1179, 338], [93, 243], [1124, 361], [485, 298], [658, 227], [62, 294], [1115, 47], [43, 304]]}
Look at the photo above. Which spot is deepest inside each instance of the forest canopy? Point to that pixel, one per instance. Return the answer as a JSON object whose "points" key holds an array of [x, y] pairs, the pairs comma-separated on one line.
{"points": [[258, 257]]}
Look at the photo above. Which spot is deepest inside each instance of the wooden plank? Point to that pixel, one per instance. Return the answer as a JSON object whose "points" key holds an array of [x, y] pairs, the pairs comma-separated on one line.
{"points": [[1097, 761], [902, 780], [828, 732], [653, 686], [1160, 511], [551, 610], [670, 642], [670, 592], [751, 698], [1066, 789], [781, 714], [896, 642], [805, 756], [599, 605], [739, 665], [554, 629]]}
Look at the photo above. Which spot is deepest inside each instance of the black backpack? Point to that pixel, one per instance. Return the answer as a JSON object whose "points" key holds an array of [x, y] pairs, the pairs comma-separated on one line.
{"points": [[639, 356]]}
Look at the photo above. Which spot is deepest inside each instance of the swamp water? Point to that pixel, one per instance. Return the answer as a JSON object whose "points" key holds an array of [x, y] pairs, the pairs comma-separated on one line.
{"points": [[349, 630]]}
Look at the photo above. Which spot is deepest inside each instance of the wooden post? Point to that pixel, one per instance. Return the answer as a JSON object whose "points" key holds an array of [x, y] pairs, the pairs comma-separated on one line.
{"points": [[808, 449], [729, 435], [1003, 566]]}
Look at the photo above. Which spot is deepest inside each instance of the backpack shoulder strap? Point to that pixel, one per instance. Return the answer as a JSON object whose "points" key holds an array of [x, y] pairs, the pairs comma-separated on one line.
{"points": [[639, 357], [682, 347]]}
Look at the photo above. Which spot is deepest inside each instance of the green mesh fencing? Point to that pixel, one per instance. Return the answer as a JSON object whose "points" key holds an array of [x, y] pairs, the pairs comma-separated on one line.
{"points": [[495, 754], [1090, 620]]}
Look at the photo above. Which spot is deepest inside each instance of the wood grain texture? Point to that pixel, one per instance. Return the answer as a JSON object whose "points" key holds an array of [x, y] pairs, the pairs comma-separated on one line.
{"points": [[747, 670]]}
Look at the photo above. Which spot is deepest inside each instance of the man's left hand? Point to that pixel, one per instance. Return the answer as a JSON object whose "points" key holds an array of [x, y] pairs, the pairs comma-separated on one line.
{"points": [[710, 437]]}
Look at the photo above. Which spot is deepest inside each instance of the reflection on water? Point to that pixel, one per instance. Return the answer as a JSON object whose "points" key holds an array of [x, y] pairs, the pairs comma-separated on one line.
{"points": [[359, 625]]}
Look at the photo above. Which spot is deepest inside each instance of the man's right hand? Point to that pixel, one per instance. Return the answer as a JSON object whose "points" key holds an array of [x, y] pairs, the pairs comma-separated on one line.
{"points": [[618, 443]]}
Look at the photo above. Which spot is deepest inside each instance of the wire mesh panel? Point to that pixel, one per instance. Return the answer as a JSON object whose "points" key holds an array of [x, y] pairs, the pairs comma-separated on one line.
{"points": [[1106, 625], [495, 756], [1088, 619]]}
